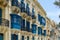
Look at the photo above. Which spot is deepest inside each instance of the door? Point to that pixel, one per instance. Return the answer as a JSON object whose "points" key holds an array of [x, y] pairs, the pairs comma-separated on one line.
{"points": [[1, 36], [14, 37], [22, 37], [27, 37]]}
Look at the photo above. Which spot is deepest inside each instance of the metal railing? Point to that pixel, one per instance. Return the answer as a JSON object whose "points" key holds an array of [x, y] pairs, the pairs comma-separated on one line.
{"points": [[4, 22]]}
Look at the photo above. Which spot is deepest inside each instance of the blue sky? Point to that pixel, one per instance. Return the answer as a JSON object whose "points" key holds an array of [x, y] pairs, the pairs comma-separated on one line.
{"points": [[52, 10]]}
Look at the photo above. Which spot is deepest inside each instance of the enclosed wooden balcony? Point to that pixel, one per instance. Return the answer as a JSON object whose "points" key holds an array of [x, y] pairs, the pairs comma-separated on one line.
{"points": [[3, 3]]}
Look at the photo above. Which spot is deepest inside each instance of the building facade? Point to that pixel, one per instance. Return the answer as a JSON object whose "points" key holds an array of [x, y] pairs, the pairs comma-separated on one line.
{"points": [[22, 20]]}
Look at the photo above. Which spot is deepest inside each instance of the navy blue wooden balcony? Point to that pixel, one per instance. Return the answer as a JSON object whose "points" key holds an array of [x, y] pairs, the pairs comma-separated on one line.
{"points": [[4, 22], [15, 21], [41, 20]]}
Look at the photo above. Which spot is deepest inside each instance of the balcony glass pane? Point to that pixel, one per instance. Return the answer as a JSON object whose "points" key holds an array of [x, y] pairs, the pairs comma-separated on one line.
{"points": [[1, 36], [28, 26], [43, 21], [15, 21], [14, 37], [34, 28], [39, 31]]}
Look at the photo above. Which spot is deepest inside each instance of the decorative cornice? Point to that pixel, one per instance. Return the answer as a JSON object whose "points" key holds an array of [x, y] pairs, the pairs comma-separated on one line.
{"points": [[38, 4]]}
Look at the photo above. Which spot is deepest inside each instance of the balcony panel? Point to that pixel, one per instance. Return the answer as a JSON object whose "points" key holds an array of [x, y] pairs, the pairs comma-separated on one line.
{"points": [[15, 21]]}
